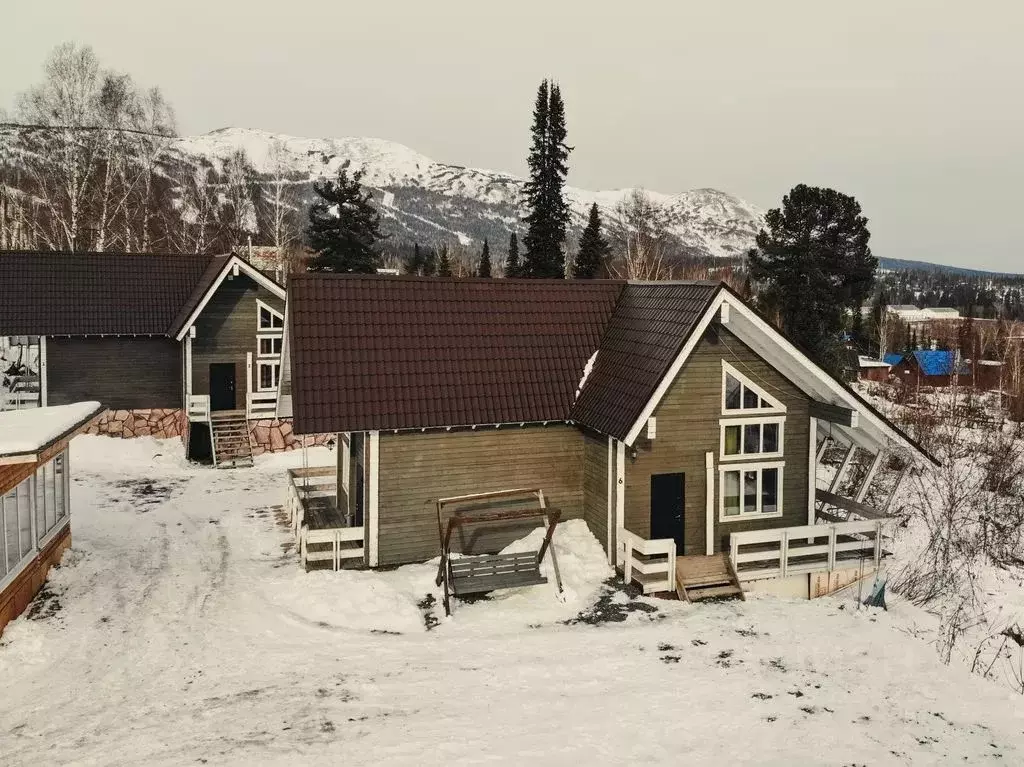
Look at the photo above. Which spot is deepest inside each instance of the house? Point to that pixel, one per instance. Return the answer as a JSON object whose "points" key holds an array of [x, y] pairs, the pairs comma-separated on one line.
{"points": [[669, 416], [870, 369], [932, 367], [172, 344], [35, 497]]}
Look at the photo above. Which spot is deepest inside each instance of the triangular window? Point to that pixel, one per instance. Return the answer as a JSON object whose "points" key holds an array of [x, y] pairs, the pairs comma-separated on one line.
{"points": [[741, 395]]}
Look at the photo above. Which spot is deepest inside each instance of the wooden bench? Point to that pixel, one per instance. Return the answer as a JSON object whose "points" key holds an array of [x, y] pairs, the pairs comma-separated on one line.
{"points": [[478, 575]]}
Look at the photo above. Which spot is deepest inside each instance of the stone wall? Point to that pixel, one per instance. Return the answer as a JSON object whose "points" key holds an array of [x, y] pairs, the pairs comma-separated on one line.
{"points": [[271, 435], [157, 422]]}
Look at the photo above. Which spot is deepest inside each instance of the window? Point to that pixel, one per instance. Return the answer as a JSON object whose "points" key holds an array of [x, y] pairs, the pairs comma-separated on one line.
{"points": [[741, 395], [270, 346], [269, 319], [269, 373], [745, 437], [751, 491]]}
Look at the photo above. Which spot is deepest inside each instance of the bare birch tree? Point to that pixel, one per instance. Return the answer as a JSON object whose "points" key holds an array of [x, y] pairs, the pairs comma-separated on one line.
{"points": [[640, 240]]}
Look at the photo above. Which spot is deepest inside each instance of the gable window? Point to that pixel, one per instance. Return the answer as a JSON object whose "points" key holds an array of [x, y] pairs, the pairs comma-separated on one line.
{"points": [[741, 395], [748, 437], [751, 491], [268, 375], [270, 346], [269, 318]]}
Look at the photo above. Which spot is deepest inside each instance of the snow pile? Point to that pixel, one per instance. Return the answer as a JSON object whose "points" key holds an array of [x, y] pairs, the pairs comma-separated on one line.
{"points": [[25, 431], [587, 370], [181, 630]]}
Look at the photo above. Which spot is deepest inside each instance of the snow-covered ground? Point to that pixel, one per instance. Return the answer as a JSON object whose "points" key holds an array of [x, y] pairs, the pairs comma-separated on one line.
{"points": [[181, 630]]}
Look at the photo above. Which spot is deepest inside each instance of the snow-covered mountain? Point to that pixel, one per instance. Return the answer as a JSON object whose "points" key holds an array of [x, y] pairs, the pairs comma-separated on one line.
{"points": [[427, 201]]}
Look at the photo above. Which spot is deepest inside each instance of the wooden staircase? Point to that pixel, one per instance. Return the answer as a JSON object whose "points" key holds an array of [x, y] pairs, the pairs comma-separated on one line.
{"points": [[229, 435], [714, 577]]}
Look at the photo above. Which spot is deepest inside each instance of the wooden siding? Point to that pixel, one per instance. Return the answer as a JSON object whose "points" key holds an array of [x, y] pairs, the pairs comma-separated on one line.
{"points": [[595, 485], [122, 373], [688, 427], [418, 467], [226, 331]]}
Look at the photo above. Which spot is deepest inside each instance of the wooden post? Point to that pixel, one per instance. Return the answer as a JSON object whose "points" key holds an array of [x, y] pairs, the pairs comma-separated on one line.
{"points": [[43, 388], [878, 544], [784, 553], [374, 547], [865, 485], [610, 532], [620, 490], [627, 570], [248, 384], [812, 471], [831, 547], [837, 480], [709, 502]]}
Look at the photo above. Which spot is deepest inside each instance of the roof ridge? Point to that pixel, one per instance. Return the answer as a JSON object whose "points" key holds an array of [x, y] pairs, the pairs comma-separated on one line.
{"points": [[455, 280]]}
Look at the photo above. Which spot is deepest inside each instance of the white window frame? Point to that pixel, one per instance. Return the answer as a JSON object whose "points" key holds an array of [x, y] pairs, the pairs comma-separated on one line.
{"points": [[742, 455], [260, 337], [776, 404], [271, 363], [742, 467], [273, 313]]}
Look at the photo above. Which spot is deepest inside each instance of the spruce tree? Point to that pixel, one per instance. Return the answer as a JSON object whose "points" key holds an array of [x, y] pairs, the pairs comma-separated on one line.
{"points": [[813, 261], [428, 267], [344, 227], [485, 261], [548, 216], [444, 264], [593, 248], [413, 264], [512, 265]]}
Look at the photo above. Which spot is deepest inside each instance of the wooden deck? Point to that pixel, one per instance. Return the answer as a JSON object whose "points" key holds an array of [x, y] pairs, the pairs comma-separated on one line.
{"points": [[700, 577]]}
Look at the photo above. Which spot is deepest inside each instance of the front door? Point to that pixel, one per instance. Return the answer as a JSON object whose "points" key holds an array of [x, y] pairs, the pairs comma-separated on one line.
{"points": [[222, 386], [668, 495]]}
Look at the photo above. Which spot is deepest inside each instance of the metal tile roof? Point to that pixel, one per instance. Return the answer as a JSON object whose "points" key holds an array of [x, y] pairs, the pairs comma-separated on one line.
{"points": [[379, 352], [55, 294]]}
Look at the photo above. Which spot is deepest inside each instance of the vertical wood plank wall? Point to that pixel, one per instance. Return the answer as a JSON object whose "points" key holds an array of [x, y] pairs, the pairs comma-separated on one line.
{"points": [[595, 485]]}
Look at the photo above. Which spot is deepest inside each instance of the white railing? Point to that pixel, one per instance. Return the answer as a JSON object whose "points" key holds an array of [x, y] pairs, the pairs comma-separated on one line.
{"points": [[260, 404], [23, 393], [788, 551], [651, 563], [337, 538], [303, 484], [198, 407]]}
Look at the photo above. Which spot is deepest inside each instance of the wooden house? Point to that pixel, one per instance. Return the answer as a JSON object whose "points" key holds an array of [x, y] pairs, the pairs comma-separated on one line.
{"points": [[680, 425], [932, 367], [173, 345], [871, 369], [35, 497]]}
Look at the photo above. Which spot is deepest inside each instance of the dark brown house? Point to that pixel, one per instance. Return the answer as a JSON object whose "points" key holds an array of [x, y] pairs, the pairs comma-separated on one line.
{"points": [[669, 416], [173, 345]]}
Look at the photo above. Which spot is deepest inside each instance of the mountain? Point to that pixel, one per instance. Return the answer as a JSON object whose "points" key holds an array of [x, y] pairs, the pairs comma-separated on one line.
{"points": [[427, 201]]}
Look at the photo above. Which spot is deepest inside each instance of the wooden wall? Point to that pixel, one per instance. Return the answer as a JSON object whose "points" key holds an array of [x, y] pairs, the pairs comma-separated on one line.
{"points": [[226, 331], [595, 485], [18, 594], [688, 427], [122, 373], [420, 466]]}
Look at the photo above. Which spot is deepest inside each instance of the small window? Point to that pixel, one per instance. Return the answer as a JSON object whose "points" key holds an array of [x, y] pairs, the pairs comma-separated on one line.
{"points": [[769, 491], [270, 346], [269, 319], [732, 440], [746, 437], [269, 373], [731, 494]]}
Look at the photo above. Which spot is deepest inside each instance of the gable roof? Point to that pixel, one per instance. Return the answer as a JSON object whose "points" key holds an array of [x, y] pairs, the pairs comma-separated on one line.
{"points": [[75, 294], [893, 358], [372, 352], [650, 324], [51, 293]]}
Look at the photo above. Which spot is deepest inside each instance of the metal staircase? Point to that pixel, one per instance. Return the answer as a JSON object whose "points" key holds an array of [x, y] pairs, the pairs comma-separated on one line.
{"points": [[229, 437]]}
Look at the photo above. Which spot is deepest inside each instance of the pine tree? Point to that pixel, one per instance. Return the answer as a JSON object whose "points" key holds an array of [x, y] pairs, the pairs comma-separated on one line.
{"points": [[548, 216], [748, 289], [512, 265], [593, 248], [428, 265], [413, 264], [344, 227], [813, 261], [485, 261], [444, 264]]}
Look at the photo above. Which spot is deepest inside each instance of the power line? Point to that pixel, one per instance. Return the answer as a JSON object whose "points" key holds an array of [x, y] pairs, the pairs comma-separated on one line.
{"points": [[84, 129]]}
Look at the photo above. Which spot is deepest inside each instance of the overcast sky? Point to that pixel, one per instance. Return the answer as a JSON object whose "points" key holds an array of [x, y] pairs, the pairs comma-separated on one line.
{"points": [[915, 107]]}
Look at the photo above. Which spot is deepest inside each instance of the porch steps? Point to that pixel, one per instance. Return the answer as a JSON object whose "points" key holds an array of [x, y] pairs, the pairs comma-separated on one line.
{"points": [[229, 431], [713, 577]]}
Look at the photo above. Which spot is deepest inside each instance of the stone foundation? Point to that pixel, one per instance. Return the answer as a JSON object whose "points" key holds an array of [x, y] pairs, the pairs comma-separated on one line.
{"points": [[272, 435], [162, 423]]}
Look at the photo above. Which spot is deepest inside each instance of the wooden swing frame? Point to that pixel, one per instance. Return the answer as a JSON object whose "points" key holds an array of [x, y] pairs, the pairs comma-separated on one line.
{"points": [[479, 574]]}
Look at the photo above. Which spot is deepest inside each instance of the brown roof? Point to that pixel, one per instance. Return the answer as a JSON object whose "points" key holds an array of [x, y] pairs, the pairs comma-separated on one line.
{"points": [[650, 324], [54, 294], [375, 352]]}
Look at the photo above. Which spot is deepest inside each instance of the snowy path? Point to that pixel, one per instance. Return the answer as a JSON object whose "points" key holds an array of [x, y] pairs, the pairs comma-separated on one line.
{"points": [[183, 631]]}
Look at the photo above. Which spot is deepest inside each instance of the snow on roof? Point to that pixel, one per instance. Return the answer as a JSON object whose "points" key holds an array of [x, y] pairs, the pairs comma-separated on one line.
{"points": [[871, 362], [28, 431]]}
